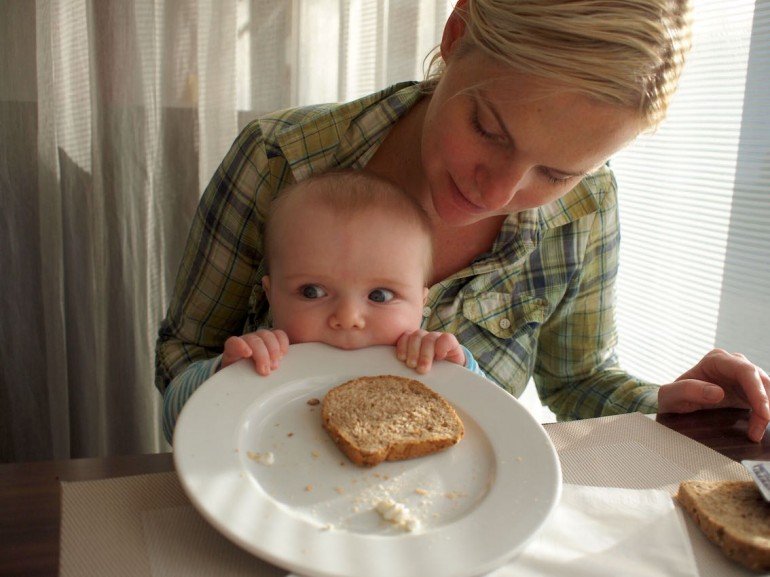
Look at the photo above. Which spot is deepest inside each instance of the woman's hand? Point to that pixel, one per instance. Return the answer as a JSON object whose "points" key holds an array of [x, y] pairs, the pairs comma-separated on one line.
{"points": [[418, 349], [265, 347], [721, 379]]}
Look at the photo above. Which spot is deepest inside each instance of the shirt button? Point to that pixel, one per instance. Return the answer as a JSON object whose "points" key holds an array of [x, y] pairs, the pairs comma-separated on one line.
{"points": [[505, 323], [426, 312]]}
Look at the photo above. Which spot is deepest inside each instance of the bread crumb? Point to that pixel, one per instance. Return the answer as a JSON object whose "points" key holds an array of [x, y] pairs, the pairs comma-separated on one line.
{"points": [[339, 490], [452, 495], [308, 488], [422, 491], [314, 454], [267, 458], [313, 402], [289, 434]]}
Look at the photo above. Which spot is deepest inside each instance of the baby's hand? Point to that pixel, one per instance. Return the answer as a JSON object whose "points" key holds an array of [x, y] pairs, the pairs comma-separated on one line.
{"points": [[265, 347], [418, 349]]}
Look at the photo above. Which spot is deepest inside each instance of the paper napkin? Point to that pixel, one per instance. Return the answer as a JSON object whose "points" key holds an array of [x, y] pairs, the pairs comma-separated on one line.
{"points": [[598, 531]]}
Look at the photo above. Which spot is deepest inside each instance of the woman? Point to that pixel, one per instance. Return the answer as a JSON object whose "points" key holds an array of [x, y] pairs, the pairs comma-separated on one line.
{"points": [[505, 147]]}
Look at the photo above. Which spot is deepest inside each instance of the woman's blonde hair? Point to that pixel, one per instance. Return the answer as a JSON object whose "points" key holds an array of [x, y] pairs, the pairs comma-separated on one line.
{"points": [[625, 52]]}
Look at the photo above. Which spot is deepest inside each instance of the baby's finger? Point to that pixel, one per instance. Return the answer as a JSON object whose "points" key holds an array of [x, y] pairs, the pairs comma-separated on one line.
{"points": [[448, 348], [272, 343], [413, 347], [401, 346], [283, 341], [427, 352], [235, 350], [259, 354]]}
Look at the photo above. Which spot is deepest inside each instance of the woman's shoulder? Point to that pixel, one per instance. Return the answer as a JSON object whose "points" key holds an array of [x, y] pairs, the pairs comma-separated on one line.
{"points": [[333, 115], [595, 193]]}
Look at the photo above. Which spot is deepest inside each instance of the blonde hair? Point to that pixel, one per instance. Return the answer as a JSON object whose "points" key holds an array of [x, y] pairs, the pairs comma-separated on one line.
{"points": [[624, 52], [348, 193]]}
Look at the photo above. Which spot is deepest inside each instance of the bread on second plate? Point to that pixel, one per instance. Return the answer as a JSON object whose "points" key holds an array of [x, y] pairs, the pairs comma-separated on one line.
{"points": [[733, 515], [378, 418]]}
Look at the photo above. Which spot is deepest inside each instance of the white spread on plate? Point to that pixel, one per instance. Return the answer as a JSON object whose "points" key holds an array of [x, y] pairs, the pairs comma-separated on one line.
{"points": [[397, 514]]}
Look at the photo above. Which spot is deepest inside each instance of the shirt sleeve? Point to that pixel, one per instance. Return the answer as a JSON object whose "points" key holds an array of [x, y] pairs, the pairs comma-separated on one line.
{"points": [[576, 370], [182, 388], [471, 364], [219, 268]]}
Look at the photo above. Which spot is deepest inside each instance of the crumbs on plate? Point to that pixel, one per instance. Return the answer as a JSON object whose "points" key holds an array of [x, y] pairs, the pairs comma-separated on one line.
{"points": [[267, 458]]}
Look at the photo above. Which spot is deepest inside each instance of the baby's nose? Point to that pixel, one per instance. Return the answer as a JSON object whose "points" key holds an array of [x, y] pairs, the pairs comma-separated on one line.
{"points": [[347, 315]]}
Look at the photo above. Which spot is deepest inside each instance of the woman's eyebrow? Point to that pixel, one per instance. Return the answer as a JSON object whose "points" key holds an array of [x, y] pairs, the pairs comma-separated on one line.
{"points": [[493, 109]]}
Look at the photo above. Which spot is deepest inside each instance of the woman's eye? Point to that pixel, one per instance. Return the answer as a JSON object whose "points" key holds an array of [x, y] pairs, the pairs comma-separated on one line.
{"points": [[555, 180], [380, 295], [479, 127], [312, 291]]}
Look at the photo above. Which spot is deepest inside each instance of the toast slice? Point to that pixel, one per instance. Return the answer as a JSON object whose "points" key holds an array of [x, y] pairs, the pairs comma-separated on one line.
{"points": [[733, 515], [389, 418]]}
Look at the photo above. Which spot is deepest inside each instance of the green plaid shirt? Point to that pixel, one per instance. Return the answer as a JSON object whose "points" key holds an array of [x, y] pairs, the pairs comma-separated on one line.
{"points": [[539, 304]]}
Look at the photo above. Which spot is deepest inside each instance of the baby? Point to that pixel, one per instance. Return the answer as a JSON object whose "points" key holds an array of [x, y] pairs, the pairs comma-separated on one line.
{"points": [[348, 259]]}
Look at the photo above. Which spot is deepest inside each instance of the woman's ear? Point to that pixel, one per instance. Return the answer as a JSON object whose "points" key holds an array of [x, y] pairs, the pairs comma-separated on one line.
{"points": [[454, 29], [266, 286]]}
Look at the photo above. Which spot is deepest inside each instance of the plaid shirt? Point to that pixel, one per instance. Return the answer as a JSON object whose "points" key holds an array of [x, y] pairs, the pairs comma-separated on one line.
{"points": [[539, 304]]}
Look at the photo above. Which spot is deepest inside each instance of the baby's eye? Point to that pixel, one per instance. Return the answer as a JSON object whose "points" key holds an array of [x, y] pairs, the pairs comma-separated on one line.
{"points": [[312, 291], [381, 295]]}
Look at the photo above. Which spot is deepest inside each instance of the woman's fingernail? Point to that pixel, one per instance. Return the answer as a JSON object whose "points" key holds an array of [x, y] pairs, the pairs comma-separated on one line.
{"points": [[756, 432], [712, 393]]}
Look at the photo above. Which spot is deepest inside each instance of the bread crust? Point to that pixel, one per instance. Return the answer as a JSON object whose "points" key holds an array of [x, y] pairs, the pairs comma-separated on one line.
{"points": [[734, 516], [388, 418]]}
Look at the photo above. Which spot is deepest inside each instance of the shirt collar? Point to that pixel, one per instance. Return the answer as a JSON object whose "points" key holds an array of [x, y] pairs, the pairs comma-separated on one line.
{"points": [[344, 135], [521, 232]]}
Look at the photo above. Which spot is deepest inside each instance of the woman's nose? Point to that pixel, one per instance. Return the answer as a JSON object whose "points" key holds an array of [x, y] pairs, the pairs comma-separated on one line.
{"points": [[498, 181], [347, 315]]}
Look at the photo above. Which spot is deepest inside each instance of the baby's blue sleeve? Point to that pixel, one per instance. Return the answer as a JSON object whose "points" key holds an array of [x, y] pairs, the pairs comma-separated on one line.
{"points": [[181, 388], [471, 364]]}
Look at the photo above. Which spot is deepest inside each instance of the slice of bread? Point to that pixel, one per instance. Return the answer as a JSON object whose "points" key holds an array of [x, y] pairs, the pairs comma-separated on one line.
{"points": [[374, 419], [732, 514]]}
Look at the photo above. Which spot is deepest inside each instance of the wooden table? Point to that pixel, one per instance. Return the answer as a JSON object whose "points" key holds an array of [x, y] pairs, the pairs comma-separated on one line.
{"points": [[29, 492]]}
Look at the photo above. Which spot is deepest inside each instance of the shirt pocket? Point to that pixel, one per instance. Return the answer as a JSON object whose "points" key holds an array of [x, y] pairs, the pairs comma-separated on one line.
{"points": [[504, 315]]}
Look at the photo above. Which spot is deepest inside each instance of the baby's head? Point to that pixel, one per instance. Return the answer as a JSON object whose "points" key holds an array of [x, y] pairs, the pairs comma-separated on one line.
{"points": [[348, 257]]}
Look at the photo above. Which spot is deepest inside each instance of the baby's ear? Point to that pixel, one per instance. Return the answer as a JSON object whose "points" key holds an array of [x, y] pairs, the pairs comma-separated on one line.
{"points": [[266, 286]]}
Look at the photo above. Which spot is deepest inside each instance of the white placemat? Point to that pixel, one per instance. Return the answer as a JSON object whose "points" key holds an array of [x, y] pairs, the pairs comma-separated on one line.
{"points": [[144, 525]]}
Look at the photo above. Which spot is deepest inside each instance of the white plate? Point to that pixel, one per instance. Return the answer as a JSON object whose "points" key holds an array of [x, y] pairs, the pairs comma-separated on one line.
{"points": [[312, 511]]}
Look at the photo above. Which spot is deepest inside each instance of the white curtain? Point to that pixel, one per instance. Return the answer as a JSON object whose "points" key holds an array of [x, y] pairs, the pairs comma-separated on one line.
{"points": [[113, 116]]}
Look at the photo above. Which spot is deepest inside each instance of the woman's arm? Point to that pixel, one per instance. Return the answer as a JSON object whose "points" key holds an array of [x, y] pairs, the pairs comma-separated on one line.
{"points": [[577, 372], [218, 270]]}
